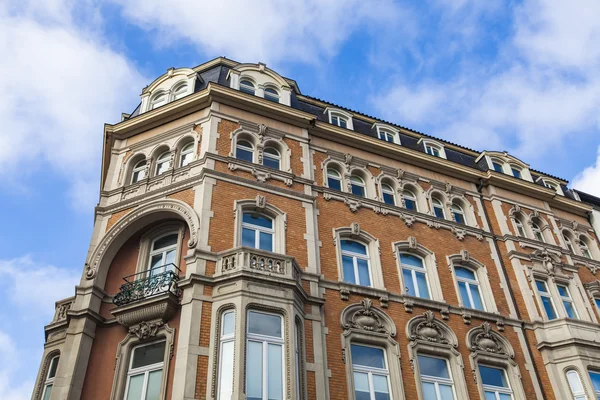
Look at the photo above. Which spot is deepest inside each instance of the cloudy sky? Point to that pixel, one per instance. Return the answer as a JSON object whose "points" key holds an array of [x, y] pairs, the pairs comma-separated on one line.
{"points": [[521, 76]]}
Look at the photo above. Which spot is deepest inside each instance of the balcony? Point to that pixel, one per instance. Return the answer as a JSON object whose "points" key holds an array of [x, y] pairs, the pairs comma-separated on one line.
{"points": [[255, 261], [148, 296]]}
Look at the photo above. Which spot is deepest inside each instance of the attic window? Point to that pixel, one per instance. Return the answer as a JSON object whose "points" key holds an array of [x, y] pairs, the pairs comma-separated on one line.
{"points": [[516, 172], [247, 86], [271, 95], [498, 166], [339, 120]]}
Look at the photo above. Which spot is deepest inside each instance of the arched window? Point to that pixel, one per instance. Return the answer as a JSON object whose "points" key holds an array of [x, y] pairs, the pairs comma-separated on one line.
{"points": [[388, 194], [271, 158], [414, 276], [497, 166], [495, 384], [180, 92], [244, 151], [576, 386], [139, 171], [271, 95], [519, 226], [226, 355], [585, 249], [257, 231], [438, 208], [49, 381], [436, 378], [355, 263], [516, 171], [468, 285], [163, 253], [145, 371], [370, 372], [247, 86], [458, 213], [386, 136], [537, 232], [410, 200], [264, 356], [158, 100], [334, 179], [568, 242], [163, 163], [298, 359], [339, 120], [357, 185], [186, 155]]}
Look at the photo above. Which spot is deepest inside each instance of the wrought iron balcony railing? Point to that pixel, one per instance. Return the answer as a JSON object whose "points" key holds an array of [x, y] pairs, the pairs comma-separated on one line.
{"points": [[146, 284]]}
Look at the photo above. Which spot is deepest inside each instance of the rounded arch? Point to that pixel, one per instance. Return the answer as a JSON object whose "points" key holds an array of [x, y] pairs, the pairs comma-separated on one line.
{"points": [[99, 261], [282, 148], [170, 74], [585, 242], [246, 70], [366, 177], [484, 339], [427, 328], [131, 164], [364, 316], [337, 167]]}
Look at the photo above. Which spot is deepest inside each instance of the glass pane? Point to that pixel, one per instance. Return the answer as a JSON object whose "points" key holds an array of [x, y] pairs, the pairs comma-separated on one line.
{"points": [[498, 167], [432, 366], [446, 392], [165, 241], [595, 377], [562, 290], [53, 366], [355, 247], [492, 376], [429, 391], [153, 388], [266, 241], [148, 355], [228, 323], [465, 273], [264, 324], [343, 123], [358, 190], [422, 284], [226, 371], [597, 301], [248, 237], [408, 259], [47, 392], [381, 396], [549, 308], [258, 220], [388, 198], [410, 204], [367, 356], [254, 369], [363, 272], [541, 286], [136, 383], [504, 396], [186, 159], [380, 384], [464, 294], [439, 212], [162, 167], [490, 395], [243, 154], [477, 302], [348, 266], [408, 282], [271, 162], [156, 261], [570, 310], [275, 372], [361, 386], [170, 257], [459, 218], [516, 173], [334, 184]]}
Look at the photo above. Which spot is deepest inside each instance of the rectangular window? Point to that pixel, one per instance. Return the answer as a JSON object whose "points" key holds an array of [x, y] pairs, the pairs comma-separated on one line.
{"points": [[546, 299], [264, 360], [371, 375], [495, 384], [434, 151], [355, 263], [257, 231], [226, 344], [145, 372], [414, 275], [565, 297], [436, 380], [468, 285], [339, 121], [516, 173]]}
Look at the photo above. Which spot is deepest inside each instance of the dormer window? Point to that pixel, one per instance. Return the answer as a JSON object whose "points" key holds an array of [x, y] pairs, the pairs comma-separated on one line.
{"points": [[516, 172], [247, 86], [180, 92], [339, 121], [504, 163], [387, 136], [498, 166], [158, 100], [433, 148], [339, 118], [271, 95]]}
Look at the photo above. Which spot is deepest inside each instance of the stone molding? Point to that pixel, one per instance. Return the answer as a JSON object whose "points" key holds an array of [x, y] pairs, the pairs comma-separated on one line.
{"points": [[158, 308], [364, 316]]}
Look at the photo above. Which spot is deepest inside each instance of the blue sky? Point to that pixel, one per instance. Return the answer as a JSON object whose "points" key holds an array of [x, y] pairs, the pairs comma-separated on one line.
{"points": [[521, 76]]}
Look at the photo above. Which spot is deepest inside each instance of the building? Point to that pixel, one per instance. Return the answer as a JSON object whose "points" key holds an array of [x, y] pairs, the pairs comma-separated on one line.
{"points": [[254, 242]]}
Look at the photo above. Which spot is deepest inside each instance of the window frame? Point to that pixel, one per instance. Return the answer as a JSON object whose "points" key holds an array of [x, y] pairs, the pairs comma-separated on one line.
{"points": [[437, 380], [567, 299], [163, 158], [354, 233], [440, 207], [536, 230], [154, 104], [177, 88], [146, 370], [338, 178], [48, 383], [387, 189], [186, 149], [414, 270], [585, 248], [163, 252], [469, 283], [251, 149], [362, 185], [547, 294], [278, 217], [429, 262], [355, 257], [258, 230], [411, 197], [496, 389], [244, 88], [577, 394], [498, 165], [370, 371], [595, 372], [339, 115], [139, 168], [277, 157], [223, 340], [462, 213], [275, 98]]}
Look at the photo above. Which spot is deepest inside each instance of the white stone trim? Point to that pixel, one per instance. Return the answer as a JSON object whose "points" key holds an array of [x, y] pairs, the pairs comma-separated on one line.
{"points": [[261, 206], [465, 260], [411, 246]]}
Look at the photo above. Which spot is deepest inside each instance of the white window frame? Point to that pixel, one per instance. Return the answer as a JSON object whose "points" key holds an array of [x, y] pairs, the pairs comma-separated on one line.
{"points": [[298, 359], [360, 184], [338, 120], [460, 212], [145, 369], [578, 393], [389, 190], [413, 271], [585, 249], [440, 206], [355, 257], [339, 114], [385, 131], [49, 381], [567, 299], [163, 159], [276, 157], [334, 177], [178, 93], [258, 230], [140, 167], [247, 87], [499, 163], [155, 104], [497, 389], [410, 196], [185, 150], [370, 371], [163, 252], [275, 98], [535, 230], [469, 284], [243, 147], [514, 168], [551, 184], [438, 380], [265, 341], [548, 295], [596, 392], [223, 340], [519, 227], [432, 144]]}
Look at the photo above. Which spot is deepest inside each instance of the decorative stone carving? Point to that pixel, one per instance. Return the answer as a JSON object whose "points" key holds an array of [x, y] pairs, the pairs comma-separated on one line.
{"points": [[355, 228], [408, 305], [261, 176], [483, 339], [348, 159], [261, 201], [465, 256], [409, 220], [433, 224], [466, 316], [549, 261], [145, 330], [344, 294], [448, 187], [459, 233], [384, 301], [428, 330], [400, 174], [364, 317], [412, 242], [159, 308], [352, 204]]}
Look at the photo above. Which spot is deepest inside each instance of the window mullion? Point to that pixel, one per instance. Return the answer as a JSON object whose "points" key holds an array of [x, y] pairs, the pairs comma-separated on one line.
{"points": [[265, 368], [371, 386], [472, 303], [355, 265], [413, 274]]}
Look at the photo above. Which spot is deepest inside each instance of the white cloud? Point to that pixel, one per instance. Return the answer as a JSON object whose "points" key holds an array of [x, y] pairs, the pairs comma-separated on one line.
{"points": [[60, 84], [268, 31], [588, 180]]}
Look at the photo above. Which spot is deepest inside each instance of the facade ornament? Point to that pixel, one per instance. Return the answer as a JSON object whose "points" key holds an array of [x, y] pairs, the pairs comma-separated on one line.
{"points": [[344, 294], [348, 159], [261, 176], [465, 256], [575, 225], [364, 317], [448, 187], [445, 313], [384, 301], [433, 224], [408, 219], [459, 233], [400, 174], [485, 340], [231, 166], [145, 330], [354, 205], [408, 305], [428, 330], [355, 228], [466, 316], [412, 242], [535, 214], [261, 201], [262, 129]]}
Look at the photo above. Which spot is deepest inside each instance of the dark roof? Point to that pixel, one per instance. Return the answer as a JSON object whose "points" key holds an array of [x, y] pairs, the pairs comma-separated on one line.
{"points": [[588, 198]]}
